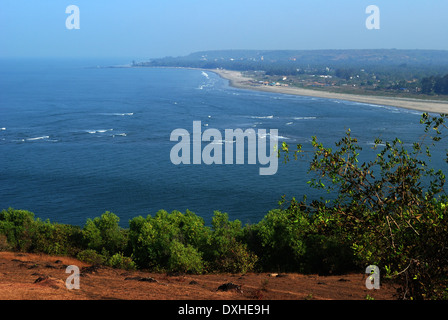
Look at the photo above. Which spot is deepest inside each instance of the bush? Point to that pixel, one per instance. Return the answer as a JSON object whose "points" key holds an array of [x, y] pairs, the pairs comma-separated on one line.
{"points": [[104, 233], [184, 258], [92, 257], [280, 240], [156, 242], [120, 261], [58, 239], [235, 258], [327, 255], [226, 252], [19, 227], [4, 245], [396, 218]]}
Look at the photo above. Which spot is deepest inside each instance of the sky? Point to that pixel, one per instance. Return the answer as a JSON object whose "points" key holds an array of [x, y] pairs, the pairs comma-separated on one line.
{"points": [[144, 29]]}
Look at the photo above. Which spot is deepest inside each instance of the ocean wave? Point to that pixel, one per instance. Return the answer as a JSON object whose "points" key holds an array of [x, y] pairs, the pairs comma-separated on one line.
{"points": [[305, 118], [2, 129], [201, 87], [261, 117], [376, 144], [263, 136], [99, 131], [222, 141], [119, 134], [37, 138], [118, 114], [42, 138]]}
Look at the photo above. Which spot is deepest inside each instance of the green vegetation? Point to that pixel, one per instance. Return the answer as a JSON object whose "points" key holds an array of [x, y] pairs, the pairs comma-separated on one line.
{"points": [[396, 73], [435, 85], [390, 212]]}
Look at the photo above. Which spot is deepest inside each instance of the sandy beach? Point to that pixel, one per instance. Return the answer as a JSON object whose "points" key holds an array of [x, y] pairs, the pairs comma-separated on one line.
{"points": [[239, 81]]}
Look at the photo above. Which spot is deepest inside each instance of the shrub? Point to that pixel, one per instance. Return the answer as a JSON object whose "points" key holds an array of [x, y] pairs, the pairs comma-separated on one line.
{"points": [[91, 256], [155, 242], [184, 258], [227, 252], [280, 237], [391, 209], [104, 233], [4, 245], [120, 261], [327, 255], [57, 239], [19, 227], [235, 258]]}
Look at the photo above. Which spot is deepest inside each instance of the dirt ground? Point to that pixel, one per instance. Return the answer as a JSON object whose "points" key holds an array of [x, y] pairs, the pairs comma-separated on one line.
{"points": [[26, 276]]}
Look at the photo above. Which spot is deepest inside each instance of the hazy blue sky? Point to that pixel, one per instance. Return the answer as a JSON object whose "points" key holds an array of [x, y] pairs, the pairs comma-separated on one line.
{"points": [[155, 28]]}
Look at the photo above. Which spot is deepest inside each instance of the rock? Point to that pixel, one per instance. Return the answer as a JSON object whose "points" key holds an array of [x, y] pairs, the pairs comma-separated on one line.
{"points": [[230, 286], [147, 279], [91, 269], [277, 275], [175, 274], [282, 275], [50, 282]]}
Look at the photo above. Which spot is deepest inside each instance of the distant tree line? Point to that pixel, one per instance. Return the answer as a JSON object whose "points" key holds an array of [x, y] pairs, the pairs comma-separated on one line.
{"points": [[435, 84]]}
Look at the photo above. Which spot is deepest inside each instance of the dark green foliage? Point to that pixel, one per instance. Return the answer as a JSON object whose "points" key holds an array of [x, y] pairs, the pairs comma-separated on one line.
{"points": [[227, 252], [391, 210], [159, 242], [104, 234], [120, 261], [58, 239], [24, 233], [435, 84], [280, 237], [91, 256], [184, 258], [19, 227]]}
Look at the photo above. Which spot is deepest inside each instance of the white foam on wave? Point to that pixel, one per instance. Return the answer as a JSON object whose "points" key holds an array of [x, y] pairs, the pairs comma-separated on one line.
{"points": [[389, 108], [263, 136], [376, 144], [118, 114], [222, 141], [38, 138], [99, 131], [305, 118], [2, 129], [261, 117], [205, 74], [119, 134]]}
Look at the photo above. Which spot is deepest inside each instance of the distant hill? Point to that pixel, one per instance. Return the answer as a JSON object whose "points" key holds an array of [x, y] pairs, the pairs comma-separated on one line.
{"points": [[407, 73], [253, 59]]}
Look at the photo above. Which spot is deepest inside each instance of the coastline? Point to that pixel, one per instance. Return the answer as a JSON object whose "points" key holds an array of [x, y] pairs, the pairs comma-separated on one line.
{"points": [[237, 80]]}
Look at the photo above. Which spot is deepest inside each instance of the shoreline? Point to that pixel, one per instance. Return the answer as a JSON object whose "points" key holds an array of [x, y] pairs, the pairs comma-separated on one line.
{"points": [[237, 80]]}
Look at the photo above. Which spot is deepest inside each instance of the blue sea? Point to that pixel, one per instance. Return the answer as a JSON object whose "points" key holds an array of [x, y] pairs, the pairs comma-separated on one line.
{"points": [[78, 139]]}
